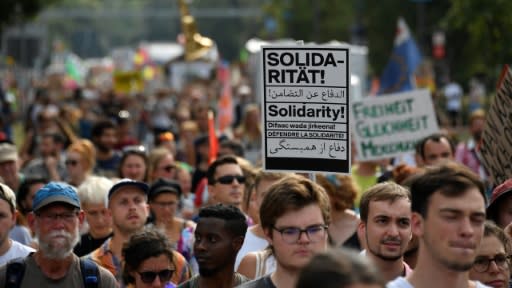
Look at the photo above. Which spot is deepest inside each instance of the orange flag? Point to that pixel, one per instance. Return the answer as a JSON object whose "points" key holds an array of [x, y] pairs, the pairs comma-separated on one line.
{"points": [[212, 138]]}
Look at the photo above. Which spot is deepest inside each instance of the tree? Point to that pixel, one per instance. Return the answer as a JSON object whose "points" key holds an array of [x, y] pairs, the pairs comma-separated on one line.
{"points": [[478, 36]]}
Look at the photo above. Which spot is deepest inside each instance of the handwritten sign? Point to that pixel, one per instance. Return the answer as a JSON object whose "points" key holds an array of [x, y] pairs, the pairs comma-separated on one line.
{"points": [[390, 125], [496, 148], [305, 108]]}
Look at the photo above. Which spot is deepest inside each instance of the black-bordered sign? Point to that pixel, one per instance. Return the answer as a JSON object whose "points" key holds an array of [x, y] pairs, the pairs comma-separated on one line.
{"points": [[306, 108]]}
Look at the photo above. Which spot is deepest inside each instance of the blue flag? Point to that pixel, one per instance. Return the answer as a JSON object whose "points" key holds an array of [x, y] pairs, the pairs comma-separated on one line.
{"points": [[398, 75]]}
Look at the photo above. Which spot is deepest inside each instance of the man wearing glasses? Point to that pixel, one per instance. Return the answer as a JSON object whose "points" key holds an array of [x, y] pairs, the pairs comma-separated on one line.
{"points": [[294, 215], [386, 226], [55, 219], [226, 181], [448, 204]]}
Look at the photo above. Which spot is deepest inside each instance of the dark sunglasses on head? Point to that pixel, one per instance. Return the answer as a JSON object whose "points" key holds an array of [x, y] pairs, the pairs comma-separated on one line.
{"points": [[71, 162], [228, 179], [149, 276]]}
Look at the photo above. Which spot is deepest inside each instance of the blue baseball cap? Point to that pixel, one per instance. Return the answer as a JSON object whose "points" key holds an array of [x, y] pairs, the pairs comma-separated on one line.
{"points": [[55, 192], [128, 182]]}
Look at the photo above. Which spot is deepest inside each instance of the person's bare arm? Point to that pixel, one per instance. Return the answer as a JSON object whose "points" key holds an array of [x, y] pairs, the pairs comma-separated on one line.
{"points": [[247, 266]]}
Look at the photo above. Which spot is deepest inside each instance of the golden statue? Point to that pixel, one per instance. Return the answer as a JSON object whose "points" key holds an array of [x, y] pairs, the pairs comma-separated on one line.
{"points": [[196, 46]]}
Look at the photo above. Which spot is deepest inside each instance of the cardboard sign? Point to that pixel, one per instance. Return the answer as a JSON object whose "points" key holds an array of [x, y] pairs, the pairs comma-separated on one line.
{"points": [[305, 108], [390, 125], [496, 147]]}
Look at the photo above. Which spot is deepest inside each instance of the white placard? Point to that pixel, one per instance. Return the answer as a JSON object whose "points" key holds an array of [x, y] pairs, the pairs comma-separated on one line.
{"points": [[305, 108], [390, 125]]}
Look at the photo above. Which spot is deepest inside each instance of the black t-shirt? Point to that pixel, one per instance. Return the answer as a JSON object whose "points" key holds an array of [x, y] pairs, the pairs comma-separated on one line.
{"points": [[88, 244]]}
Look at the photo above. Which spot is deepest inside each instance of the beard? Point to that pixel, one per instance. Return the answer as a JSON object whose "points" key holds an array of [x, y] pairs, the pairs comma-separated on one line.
{"points": [[390, 258], [102, 147], [58, 248], [385, 257]]}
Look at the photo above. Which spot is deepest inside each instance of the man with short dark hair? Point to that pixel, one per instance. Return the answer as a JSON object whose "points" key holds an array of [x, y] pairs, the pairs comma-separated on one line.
{"points": [[436, 147], [104, 137], [218, 237], [55, 220], [386, 224], [226, 181], [448, 204]]}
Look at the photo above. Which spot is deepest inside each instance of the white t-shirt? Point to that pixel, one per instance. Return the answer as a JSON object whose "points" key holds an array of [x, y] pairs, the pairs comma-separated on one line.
{"points": [[251, 243], [17, 250], [453, 94], [401, 282]]}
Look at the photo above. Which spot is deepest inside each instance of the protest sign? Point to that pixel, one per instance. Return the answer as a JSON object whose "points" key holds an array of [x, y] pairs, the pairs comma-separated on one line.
{"points": [[496, 147], [390, 125], [127, 82], [305, 108]]}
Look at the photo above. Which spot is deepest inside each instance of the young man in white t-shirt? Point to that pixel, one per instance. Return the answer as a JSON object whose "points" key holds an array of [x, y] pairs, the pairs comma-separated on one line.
{"points": [[448, 204], [9, 249]]}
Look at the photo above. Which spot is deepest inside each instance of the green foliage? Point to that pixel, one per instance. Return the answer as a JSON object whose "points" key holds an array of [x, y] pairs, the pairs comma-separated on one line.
{"points": [[311, 20], [478, 36], [477, 31]]}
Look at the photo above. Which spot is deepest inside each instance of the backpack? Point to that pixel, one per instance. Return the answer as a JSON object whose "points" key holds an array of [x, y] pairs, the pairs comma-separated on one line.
{"points": [[16, 268]]}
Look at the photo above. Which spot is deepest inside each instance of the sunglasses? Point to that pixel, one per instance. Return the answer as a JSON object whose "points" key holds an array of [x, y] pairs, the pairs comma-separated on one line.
{"points": [[168, 168], [228, 179], [71, 162], [148, 277]]}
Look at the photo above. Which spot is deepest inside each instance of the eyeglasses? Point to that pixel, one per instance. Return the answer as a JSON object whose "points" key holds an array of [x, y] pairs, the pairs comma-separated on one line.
{"points": [[481, 264], [168, 168], [148, 277], [68, 217], [71, 162], [291, 235], [228, 179]]}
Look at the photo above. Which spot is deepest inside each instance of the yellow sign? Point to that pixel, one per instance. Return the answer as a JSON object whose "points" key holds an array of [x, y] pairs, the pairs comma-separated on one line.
{"points": [[128, 82]]}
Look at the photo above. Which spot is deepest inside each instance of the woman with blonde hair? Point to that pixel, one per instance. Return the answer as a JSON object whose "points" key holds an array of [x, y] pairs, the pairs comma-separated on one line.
{"points": [[249, 133], [161, 164], [80, 161]]}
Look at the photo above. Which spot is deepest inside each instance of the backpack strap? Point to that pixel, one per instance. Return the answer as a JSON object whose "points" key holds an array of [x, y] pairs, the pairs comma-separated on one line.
{"points": [[14, 272], [90, 273]]}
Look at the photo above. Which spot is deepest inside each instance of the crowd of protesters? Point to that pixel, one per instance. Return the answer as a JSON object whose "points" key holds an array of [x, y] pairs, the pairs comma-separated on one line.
{"points": [[122, 189]]}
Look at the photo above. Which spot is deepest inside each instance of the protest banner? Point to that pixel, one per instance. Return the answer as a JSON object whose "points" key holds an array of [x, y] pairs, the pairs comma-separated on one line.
{"points": [[305, 108], [496, 147], [390, 125]]}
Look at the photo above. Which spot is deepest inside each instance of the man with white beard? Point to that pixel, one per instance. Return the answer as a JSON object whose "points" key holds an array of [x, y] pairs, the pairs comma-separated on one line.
{"points": [[55, 220]]}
